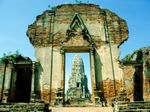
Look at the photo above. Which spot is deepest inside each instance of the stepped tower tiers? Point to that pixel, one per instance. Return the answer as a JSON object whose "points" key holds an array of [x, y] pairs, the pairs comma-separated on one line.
{"points": [[78, 83]]}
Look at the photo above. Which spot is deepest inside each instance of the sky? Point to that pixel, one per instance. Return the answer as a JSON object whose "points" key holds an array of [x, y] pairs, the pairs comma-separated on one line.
{"points": [[16, 15]]}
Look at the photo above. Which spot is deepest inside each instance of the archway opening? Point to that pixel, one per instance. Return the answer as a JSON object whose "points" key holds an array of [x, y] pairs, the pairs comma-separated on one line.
{"points": [[23, 84], [138, 84], [78, 87]]}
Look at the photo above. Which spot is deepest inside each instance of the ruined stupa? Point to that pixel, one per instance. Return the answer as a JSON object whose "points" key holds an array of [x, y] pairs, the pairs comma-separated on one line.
{"points": [[78, 84]]}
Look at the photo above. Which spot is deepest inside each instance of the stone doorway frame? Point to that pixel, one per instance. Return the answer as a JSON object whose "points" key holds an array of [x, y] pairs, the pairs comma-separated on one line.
{"points": [[14, 79], [81, 49]]}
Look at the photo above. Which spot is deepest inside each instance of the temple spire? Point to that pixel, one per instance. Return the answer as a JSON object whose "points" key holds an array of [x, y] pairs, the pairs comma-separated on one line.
{"points": [[78, 87]]}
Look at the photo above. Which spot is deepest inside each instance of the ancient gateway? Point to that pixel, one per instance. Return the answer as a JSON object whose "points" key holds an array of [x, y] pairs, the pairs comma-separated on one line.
{"points": [[79, 28]]}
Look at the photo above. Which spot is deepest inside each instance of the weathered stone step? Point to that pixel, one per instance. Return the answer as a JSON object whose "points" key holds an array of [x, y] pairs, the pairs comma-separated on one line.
{"points": [[22, 107], [81, 109], [134, 110], [139, 106]]}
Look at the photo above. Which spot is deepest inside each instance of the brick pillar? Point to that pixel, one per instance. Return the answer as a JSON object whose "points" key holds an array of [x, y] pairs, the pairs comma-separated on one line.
{"points": [[32, 97], [6, 85], [63, 74], [92, 74]]}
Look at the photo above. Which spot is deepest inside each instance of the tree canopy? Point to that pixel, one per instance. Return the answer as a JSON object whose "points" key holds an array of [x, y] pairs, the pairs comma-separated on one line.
{"points": [[12, 57]]}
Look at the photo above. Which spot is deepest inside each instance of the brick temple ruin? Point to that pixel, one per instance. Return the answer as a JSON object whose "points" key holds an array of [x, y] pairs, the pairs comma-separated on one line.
{"points": [[80, 28]]}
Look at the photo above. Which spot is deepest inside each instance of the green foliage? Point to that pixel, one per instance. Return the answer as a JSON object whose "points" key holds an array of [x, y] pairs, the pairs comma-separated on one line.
{"points": [[127, 58], [9, 57], [130, 57]]}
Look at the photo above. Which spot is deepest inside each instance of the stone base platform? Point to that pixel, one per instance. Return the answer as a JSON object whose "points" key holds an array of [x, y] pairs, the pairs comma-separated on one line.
{"points": [[138, 106], [81, 109], [22, 107]]}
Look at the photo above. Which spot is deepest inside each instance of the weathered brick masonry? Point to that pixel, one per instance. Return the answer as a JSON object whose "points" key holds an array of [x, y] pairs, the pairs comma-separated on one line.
{"points": [[79, 28]]}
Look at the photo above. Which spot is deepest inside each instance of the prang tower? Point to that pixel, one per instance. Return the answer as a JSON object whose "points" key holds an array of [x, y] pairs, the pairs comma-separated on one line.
{"points": [[78, 83]]}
